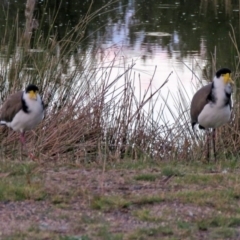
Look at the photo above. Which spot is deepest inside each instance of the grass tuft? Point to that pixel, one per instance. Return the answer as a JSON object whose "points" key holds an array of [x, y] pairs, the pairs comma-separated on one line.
{"points": [[146, 215], [142, 200], [19, 190], [84, 237], [151, 233], [147, 177], [107, 203], [104, 233], [170, 171]]}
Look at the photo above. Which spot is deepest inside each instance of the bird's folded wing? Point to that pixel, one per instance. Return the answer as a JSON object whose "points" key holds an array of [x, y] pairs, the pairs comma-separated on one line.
{"points": [[200, 99], [11, 107]]}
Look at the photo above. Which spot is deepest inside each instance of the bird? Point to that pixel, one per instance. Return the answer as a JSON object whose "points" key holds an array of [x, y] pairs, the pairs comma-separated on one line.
{"points": [[23, 111], [211, 105]]}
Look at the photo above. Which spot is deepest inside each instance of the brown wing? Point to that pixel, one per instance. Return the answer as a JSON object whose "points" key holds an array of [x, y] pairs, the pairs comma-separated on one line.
{"points": [[11, 106], [200, 99]]}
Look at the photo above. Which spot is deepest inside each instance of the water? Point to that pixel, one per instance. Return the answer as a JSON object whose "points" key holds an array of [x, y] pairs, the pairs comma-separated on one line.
{"points": [[160, 37]]}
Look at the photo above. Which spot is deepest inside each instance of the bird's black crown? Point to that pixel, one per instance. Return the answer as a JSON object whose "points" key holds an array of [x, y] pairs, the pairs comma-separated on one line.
{"points": [[222, 71], [31, 87]]}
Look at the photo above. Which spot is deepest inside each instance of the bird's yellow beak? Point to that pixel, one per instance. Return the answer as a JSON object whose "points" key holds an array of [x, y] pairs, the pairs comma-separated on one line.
{"points": [[227, 79], [33, 95]]}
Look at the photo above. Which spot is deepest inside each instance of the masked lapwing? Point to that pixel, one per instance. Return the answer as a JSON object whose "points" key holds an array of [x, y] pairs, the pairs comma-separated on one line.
{"points": [[211, 105], [22, 111]]}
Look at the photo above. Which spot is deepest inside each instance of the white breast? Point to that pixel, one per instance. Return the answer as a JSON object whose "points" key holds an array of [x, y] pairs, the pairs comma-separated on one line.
{"points": [[212, 116], [215, 114], [26, 121]]}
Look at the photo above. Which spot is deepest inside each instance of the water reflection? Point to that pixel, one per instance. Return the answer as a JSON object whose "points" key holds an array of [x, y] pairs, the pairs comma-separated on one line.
{"points": [[179, 36], [189, 21]]}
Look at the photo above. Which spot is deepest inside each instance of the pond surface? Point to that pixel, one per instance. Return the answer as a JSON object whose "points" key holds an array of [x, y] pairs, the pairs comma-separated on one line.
{"points": [[158, 37]]}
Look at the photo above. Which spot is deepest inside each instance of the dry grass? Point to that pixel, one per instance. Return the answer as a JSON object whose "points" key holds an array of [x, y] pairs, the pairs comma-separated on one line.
{"points": [[92, 112]]}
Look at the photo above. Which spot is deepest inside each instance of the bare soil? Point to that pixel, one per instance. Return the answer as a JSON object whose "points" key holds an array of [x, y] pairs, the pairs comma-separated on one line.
{"points": [[113, 204]]}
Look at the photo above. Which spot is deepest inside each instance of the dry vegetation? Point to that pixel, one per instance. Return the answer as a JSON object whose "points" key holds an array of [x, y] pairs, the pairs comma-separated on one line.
{"points": [[106, 163], [93, 114]]}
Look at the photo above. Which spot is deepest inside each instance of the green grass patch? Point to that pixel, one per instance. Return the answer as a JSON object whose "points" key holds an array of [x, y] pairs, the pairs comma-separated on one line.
{"points": [[107, 203], [202, 179], [184, 225], [211, 180], [219, 199], [104, 233], [151, 233], [61, 200], [146, 215], [17, 235], [17, 189], [17, 168], [90, 219], [224, 233], [84, 237], [169, 171], [31, 234], [219, 221], [134, 164], [20, 181], [147, 177], [146, 199]]}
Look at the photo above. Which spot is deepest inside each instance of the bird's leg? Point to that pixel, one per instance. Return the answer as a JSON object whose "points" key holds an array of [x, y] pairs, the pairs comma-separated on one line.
{"points": [[214, 145], [208, 147], [22, 138], [23, 145]]}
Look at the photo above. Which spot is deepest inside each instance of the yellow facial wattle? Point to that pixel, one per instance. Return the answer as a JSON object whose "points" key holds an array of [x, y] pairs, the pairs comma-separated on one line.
{"points": [[32, 95], [227, 78]]}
